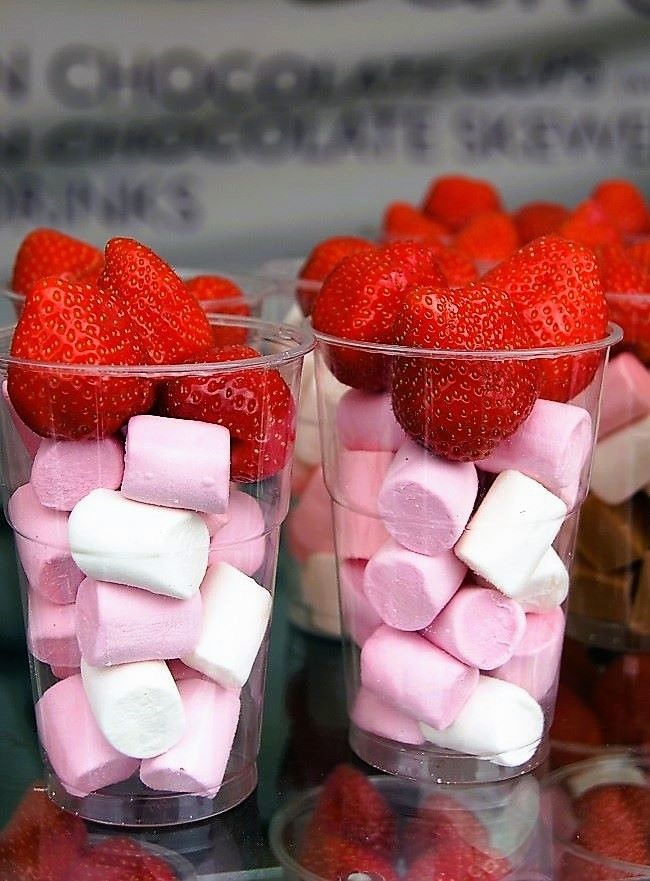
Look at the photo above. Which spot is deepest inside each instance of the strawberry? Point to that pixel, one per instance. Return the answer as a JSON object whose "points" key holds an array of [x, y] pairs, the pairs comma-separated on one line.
{"points": [[71, 323], [620, 700], [121, 859], [535, 219], [623, 203], [254, 403], [440, 818], [402, 220], [168, 317], [321, 261], [590, 225], [222, 296], [49, 252], [461, 408], [360, 299], [454, 199], [335, 858], [574, 723], [457, 860], [610, 826], [490, 236], [640, 251], [620, 272], [41, 842], [456, 267], [556, 286]]}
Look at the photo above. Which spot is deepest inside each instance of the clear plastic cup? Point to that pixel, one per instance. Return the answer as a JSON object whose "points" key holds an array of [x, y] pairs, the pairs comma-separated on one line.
{"points": [[130, 733], [453, 576]]}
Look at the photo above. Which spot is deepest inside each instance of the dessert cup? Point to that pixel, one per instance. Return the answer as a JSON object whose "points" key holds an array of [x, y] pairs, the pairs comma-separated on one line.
{"points": [[453, 575], [148, 690]]}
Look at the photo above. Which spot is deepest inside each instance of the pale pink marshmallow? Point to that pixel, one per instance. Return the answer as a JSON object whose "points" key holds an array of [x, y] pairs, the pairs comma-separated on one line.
{"points": [[29, 438], [626, 393], [197, 763], [214, 522], [621, 464], [375, 715], [43, 548], [80, 755], [535, 663], [425, 501], [552, 446], [358, 536], [65, 471], [480, 626], [309, 524], [118, 624], [358, 616], [64, 672], [365, 421], [51, 632], [359, 478], [181, 671], [417, 677], [300, 474], [408, 590], [177, 463], [241, 541]]}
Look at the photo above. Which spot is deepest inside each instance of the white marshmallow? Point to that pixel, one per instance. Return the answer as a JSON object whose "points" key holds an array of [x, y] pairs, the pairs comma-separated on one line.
{"points": [[319, 592], [236, 612], [137, 706], [512, 529], [499, 721], [164, 550], [548, 586], [622, 463]]}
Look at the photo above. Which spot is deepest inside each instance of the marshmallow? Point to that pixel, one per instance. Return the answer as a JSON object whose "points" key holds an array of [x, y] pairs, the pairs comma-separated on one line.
{"points": [[309, 524], [65, 471], [552, 446], [358, 617], [408, 590], [51, 632], [117, 624], [64, 672], [536, 660], [241, 541], [177, 463], [80, 755], [319, 592], [307, 444], [181, 671], [512, 529], [359, 477], [236, 612], [358, 536], [164, 550], [366, 422], [418, 678], [621, 464], [425, 501], [373, 714], [198, 761], [548, 586], [41, 536], [499, 721], [479, 626], [137, 706], [626, 393], [30, 439]]}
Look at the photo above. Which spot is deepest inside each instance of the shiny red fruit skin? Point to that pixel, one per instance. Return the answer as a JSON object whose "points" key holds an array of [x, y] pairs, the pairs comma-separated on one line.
{"points": [[321, 260], [454, 199], [46, 252], [221, 296]]}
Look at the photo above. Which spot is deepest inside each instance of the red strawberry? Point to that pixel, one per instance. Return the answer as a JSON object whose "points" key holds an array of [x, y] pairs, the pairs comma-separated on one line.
{"points": [[360, 299], [121, 859], [254, 403], [609, 825], [321, 261], [457, 860], [456, 267], [623, 203], [490, 236], [535, 219], [556, 286], [402, 220], [461, 408], [71, 323], [50, 252], [590, 225], [40, 842], [620, 699], [168, 317], [620, 272], [454, 199], [439, 819], [221, 296], [335, 858], [640, 251], [574, 723]]}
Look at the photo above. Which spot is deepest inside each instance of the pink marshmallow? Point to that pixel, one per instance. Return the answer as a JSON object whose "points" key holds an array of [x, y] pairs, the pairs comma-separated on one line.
{"points": [[480, 626], [417, 677], [177, 463], [366, 422], [80, 755], [358, 616], [65, 471], [64, 672], [358, 536], [535, 663], [51, 632], [309, 524], [359, 479], [198, 761], [241, 541], [425, 501], [42, 544], [552, 446], [626, 393], [29, 438], [181, 671], [117, 624], [373, 714], [408, 590]]}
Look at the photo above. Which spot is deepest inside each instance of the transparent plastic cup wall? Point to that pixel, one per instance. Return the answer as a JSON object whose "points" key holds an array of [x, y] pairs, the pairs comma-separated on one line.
{"points": [[107, 786], [420, 702]]}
